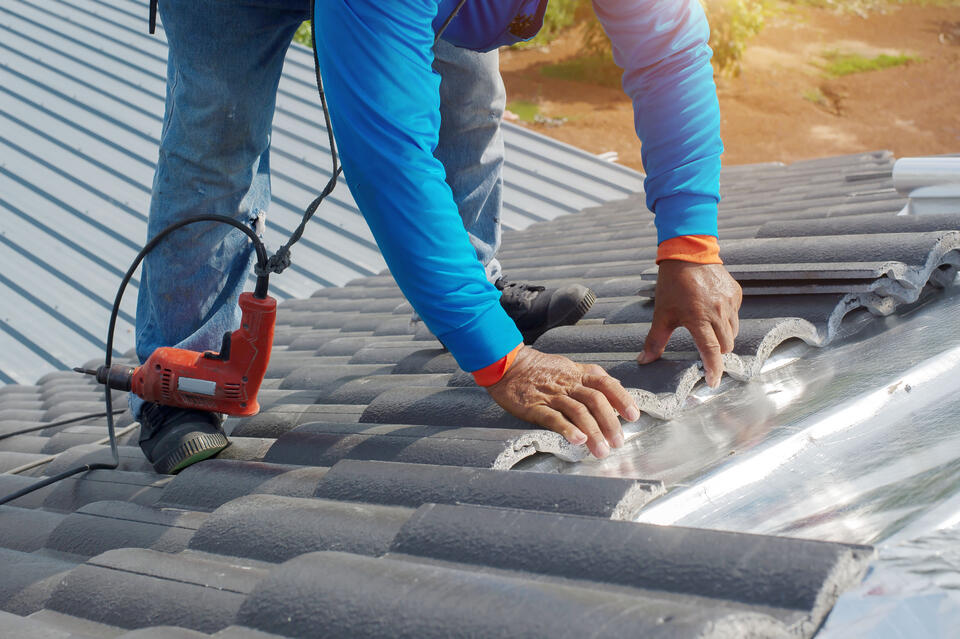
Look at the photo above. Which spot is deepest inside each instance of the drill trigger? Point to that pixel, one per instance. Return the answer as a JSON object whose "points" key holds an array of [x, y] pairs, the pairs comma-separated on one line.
{"points": [[224, 354]]}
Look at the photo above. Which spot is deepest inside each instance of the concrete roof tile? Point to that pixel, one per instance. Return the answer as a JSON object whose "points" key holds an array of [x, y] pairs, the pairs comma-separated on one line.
{"points": [[413, 485], [276, 528]]}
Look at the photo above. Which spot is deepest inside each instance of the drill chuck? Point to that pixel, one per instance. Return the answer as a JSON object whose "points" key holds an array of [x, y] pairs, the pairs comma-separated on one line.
{"points": [[117, 377]]}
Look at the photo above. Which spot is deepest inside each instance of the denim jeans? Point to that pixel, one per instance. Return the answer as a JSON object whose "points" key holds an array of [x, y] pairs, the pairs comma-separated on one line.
{"points": [[224, 65]]}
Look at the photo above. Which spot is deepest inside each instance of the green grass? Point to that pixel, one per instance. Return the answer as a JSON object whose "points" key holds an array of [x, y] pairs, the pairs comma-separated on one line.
{"points": [[840, 64], [526, 111], [815, 95], [596, 69]]}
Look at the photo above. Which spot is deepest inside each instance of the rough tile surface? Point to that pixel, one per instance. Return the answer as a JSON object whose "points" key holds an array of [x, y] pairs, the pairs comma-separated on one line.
{"points": [[376, 495]]}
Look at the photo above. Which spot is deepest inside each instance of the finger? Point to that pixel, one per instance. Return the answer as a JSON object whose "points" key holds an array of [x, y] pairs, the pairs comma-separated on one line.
{"points": [[709, 347], [555, 421], [584, 421], [615, 393], [602, 411], [593, 369], [656, 341], [724, 335], [735, 325]]}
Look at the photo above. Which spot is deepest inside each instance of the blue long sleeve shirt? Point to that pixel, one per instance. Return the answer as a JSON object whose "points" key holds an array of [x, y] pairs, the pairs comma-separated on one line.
{"points": [[376, 60]]}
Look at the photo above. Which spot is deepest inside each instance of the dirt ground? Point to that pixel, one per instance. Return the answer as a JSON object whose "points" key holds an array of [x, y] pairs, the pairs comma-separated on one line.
{"points": [[783, 107]]}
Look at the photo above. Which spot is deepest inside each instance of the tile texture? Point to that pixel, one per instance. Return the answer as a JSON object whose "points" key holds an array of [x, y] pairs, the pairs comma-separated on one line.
{"points": [[375, 494]]}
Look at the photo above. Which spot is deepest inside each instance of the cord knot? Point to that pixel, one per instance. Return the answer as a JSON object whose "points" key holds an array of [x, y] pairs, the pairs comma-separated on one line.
{"points": [[276, 263]]}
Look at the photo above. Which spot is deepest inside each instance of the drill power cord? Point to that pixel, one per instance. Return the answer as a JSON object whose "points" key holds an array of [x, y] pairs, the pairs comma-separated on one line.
{"points": [[264, 266], [275, 263]]}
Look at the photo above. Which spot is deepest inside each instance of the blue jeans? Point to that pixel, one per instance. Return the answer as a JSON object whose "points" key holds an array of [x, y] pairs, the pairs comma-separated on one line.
{"points": [[224, 65]]}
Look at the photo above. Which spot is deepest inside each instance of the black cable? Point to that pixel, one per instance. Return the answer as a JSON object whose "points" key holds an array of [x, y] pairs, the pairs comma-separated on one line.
{"points": [[274, 264], [262, 283], [446, 23], [281, 259], [64, 422]]}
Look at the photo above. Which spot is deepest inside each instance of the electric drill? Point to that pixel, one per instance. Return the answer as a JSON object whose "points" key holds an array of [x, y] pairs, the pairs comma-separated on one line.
{"points": [[225, 382]]}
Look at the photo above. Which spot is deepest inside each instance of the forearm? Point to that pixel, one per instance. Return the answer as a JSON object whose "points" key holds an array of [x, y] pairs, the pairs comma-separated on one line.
{"points": [[384, 102], [662, 46]]}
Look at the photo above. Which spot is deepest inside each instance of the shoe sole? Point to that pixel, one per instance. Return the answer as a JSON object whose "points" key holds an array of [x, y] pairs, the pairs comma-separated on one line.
{"points": [[195, 449]]}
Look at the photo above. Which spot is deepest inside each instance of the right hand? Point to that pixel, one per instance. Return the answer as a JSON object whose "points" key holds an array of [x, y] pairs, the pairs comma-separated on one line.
{"points": [[579, 401]]}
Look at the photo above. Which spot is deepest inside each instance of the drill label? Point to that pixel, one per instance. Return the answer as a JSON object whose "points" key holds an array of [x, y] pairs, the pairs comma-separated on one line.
{"points": [[196, 386]]}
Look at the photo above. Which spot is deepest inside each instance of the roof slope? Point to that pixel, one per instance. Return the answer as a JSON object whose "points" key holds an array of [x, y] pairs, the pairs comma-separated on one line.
{"points": [[81, 100], [373, 494]]}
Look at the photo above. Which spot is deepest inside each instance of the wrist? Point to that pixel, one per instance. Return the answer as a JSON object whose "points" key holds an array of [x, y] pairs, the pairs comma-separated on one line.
{"points": [[490, 375], [698, 249]]}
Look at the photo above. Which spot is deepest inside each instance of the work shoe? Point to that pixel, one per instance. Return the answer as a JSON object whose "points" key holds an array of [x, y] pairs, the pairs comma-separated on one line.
{"points": [[174, 438], [536, 309]]}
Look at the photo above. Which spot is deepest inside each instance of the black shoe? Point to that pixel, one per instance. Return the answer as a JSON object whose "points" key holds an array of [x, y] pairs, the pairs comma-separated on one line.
{"points": [[173, 438], [536, 309]]}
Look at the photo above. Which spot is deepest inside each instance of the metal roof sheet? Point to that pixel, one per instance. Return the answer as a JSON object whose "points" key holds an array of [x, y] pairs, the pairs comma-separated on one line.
{"points": [[81, 102]]}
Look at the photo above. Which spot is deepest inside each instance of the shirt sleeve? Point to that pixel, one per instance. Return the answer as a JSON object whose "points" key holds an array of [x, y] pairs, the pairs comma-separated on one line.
{"points": [[376, 60], [662, 47]]}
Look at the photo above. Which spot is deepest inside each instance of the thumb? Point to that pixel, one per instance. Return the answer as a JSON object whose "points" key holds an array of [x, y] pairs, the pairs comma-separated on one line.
{"points": [[656, 341]]}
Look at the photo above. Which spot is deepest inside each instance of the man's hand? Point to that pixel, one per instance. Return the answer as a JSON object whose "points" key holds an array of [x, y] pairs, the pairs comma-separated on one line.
{"points": [[578, 401], [704, 299]]}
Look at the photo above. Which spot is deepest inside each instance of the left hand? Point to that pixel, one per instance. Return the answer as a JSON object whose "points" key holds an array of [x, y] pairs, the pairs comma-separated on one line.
{"points": [[704, 299]]}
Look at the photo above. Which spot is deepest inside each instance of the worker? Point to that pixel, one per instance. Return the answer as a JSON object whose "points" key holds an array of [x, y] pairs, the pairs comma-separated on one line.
{"points": [[417, 126]]}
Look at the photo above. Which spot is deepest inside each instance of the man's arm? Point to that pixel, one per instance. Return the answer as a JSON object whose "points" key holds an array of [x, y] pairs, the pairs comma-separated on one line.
{"points": [[384, 99], [376, 61], [662, 47]]}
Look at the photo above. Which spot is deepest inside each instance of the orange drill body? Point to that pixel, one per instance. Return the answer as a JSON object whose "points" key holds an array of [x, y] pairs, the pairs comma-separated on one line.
{"points": [[225, 382]]}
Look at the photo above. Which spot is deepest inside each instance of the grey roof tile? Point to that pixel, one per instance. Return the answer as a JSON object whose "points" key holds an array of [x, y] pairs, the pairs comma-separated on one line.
{"points": [[23, 443], [427, 360], [327, 378], [365, 389], [413, 485], [451, 407], [164, 632], [616, 338], [99, 485], [133, 586], [487, 447], [388, 598], [28, 580], [276, 528], [281, 418], [27, 628], [207, 486], [10, 460], [872, 224], [760, 573], [77, 627], [107, 525], [26, 529]]}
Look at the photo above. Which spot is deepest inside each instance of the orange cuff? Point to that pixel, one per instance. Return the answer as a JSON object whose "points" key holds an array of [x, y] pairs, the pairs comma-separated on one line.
{"points": [[490, 375], [700, 249]]}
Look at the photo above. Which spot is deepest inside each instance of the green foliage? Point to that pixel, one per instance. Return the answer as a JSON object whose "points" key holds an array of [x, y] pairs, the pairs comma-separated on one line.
{"points": [[732, 24], [303, 35], [839, 64], [526, 111]]}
